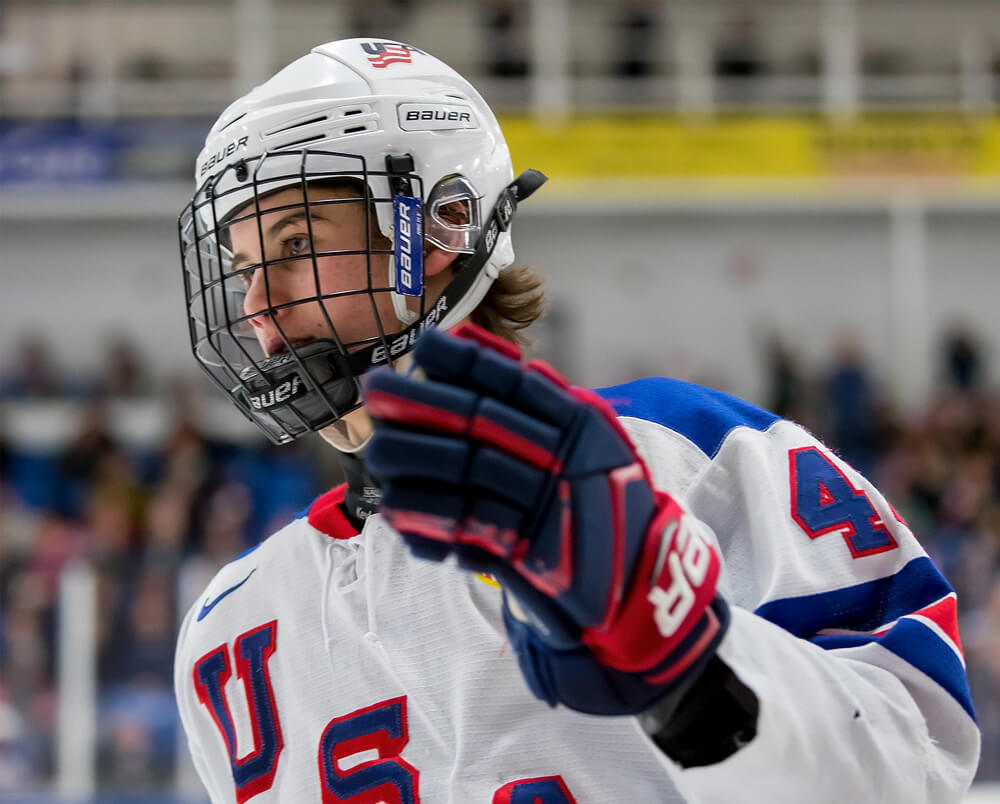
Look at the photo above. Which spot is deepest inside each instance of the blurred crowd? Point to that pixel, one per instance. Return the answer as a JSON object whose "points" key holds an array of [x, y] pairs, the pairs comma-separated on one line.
{"points": [[156, 519]]}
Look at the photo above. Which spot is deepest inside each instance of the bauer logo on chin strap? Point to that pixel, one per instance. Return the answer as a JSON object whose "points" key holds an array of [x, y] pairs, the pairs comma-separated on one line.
{"points": [[408, 246], [281, 394]]}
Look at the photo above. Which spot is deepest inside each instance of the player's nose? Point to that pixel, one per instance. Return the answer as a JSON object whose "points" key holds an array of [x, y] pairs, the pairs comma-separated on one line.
{"points": [[264, 298]]}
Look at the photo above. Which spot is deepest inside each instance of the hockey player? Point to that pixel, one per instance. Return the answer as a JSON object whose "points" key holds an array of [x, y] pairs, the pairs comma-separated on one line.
{"points": [[651, 593]]}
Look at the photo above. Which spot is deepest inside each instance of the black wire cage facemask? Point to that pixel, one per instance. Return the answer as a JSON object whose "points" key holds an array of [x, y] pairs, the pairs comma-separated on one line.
{"points": [[310, 379], [302, 382]]}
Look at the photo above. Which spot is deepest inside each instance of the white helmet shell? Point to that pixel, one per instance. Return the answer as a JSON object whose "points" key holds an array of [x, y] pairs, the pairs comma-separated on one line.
{"points": [[373, 99]]}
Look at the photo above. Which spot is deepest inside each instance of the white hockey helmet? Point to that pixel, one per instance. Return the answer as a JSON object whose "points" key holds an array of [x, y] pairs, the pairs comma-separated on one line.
{"points": [[413, 137]]}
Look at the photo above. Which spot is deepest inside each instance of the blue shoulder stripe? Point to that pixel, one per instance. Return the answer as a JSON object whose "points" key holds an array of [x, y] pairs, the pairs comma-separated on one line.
{"points": [[702, 415], [915, 643], [867, 606], [863, 607]]}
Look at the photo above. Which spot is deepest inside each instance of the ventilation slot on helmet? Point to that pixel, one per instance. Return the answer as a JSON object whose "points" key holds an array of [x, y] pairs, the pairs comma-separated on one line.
{"points": [[296, 125], [349, 112], [355, 129], [234, 120], [292, 144]]}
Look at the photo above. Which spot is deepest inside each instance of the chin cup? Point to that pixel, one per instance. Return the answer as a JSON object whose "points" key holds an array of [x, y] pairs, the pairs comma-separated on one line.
{"points": [[304, 389]]}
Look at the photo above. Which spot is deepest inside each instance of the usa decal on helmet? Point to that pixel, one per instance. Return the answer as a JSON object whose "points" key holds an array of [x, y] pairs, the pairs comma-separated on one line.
{"points": [[408, 234], [384, 54]]}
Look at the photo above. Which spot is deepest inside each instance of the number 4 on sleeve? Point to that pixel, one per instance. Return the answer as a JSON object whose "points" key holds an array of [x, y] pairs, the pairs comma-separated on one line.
{"points": [[824, 501]]}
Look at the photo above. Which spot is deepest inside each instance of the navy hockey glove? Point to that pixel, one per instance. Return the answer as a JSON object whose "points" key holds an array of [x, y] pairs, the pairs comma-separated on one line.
{"points": [[610, 597]]}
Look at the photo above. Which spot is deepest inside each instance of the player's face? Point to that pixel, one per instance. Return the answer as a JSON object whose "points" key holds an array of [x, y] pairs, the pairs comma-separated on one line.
{"points": [[283, 243]]}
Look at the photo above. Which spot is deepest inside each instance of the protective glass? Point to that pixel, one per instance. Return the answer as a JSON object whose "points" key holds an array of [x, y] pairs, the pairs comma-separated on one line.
{"points": [[453, 220]]}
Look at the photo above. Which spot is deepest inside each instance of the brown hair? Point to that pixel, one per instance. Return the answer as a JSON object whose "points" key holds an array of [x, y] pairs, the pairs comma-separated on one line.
{"points": [[515, 300]]}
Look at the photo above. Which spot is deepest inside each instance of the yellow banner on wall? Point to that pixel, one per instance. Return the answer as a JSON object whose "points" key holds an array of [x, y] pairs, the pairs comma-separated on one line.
{"points": [[907, 147]]}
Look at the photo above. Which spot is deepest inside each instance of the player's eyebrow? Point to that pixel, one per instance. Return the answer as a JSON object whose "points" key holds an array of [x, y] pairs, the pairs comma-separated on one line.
{"points": [[277, 226]]}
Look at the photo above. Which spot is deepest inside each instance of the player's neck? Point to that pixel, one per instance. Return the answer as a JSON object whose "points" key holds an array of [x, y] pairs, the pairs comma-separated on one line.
{"points": [[350, 434]]}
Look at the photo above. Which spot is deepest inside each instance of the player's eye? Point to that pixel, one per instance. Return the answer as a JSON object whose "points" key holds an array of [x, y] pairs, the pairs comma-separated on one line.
{"points": [[297, 245]]}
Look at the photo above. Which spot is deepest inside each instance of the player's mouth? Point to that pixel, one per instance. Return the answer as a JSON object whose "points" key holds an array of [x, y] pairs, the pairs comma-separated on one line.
{"points": [[277, 345]]}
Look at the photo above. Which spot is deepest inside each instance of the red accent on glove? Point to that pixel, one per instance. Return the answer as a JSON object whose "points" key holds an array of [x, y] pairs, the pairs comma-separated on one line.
{"points": [[472, 332], [671, 588], [410, 412]]}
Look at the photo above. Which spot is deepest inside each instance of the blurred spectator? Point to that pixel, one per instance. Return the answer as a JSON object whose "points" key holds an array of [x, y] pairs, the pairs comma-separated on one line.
{"points": [[638, 26], [506, 37], [853, 405], [143, 648], [139, 721], [882, 61], [26, 660], [81, 460], [78, 74], [191, 465], [223, 532], [995, 73], [124, 373], [962, 358], [738, 55], [111, 521], [5, 455], [34, 373], [167, 526], [786, 383], [146, 65]]}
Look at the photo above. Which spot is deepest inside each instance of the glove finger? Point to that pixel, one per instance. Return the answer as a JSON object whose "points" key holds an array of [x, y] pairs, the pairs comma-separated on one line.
{"points": [[496, 488], [452, 359], [450, 409], [458, 360], [428, 525], [481, 534], [393, 454], [528, 438], [505, 477], [488, 534], [438, 406]]}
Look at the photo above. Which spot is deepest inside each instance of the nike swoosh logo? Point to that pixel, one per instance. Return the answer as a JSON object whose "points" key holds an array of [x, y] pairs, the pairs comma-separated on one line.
{"points": [[208, 605]]}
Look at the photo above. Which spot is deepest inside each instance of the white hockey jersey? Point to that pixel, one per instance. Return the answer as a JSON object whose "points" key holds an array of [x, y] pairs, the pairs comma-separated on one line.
{"points": [[331, 666]]}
